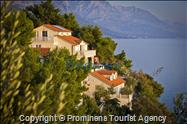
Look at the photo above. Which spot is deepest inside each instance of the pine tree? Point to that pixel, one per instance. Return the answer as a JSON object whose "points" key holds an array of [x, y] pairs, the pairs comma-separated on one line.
{"points": [[104, 46], [25, 27], [180, 108], [11, 57], [17, 97], [44, 13], [66, 69]]}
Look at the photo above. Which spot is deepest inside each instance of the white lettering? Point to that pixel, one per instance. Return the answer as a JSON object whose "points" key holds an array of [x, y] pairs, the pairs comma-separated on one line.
{"points": [[21, 117]]}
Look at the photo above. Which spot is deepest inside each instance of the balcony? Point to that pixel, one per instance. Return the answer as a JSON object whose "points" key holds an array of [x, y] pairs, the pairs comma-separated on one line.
{"points": [[42, 39], [88, 53]]}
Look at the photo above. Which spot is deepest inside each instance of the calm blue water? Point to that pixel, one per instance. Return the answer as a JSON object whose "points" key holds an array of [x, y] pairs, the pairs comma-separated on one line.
{"points": [[150, 54]]}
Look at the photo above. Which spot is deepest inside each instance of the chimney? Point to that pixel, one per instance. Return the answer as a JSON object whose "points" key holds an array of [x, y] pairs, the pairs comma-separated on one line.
{"points": [[111, 77]]}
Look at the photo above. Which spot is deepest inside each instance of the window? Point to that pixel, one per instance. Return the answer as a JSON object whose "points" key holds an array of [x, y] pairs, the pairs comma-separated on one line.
{"points": [[44, 33], [38, 46]]}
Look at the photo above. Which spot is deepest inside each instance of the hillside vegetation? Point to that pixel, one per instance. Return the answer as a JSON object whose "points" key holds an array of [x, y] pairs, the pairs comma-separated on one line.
{"points": [[54, 86]]}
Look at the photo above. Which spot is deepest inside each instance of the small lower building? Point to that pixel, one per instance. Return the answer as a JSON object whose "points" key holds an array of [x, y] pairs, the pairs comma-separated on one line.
{"points": [[105, 78]]}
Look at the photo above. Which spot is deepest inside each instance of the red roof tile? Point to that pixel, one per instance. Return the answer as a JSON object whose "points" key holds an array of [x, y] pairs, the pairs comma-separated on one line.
{"points": [[56, 28], [106, 72], [70, 39], [113, 83]]}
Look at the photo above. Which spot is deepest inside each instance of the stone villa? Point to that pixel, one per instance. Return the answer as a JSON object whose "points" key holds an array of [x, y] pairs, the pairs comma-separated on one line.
{"points": [[105, 78], [48, 37]]}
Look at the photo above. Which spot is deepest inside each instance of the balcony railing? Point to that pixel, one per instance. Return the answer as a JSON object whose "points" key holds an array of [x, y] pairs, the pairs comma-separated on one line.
{"points": [[40, 39], [88, 53]]}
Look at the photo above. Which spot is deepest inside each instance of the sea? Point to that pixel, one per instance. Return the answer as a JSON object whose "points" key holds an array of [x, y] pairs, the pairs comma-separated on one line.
{"points": [[164, 59]]}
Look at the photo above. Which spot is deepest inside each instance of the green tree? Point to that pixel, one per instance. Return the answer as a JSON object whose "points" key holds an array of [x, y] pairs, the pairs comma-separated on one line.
{"points": [[111, 90], [108, 105], [70, 22], [31, 66], [91, 34], [126, 90], [113, 107], [101, 92], [25, 27], [89, 106], [121, 58], [145, 99], [44, 13], [17, 97], [121, 64], [129, 86], [10, 65], [104, 46], [68, 70], [180, 108], [105, 50]]}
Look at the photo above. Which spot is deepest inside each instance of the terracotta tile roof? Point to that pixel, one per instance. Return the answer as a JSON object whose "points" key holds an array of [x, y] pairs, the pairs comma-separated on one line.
{"points": [[106, 72], [56, 28], [43, 51], [70, 39], [112, 83]]}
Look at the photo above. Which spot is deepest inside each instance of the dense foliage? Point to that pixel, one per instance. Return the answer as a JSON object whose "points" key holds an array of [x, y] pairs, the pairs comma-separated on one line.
{"points": [[46, 13], [122, 59], [108, 105], [31, 66], [66, 69], [146, 97], [180, 108], [25, 27], [30, 87], [18, 97], [54, 86], [104, 46]]}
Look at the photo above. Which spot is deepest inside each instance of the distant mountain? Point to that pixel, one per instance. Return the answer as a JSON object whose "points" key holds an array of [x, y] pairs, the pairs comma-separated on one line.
{"points": [[22, 4], [120, 21]]}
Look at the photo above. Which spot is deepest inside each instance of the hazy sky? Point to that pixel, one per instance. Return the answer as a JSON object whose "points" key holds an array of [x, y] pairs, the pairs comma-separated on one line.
{"points": [[166, 10]]}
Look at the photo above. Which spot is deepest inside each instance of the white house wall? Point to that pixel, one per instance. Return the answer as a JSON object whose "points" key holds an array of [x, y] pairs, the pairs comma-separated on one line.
{"points": [[62, 43], [93, 82], [118, 88], [46, 44], [64, 33], [76, 49], [50, 33]]}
